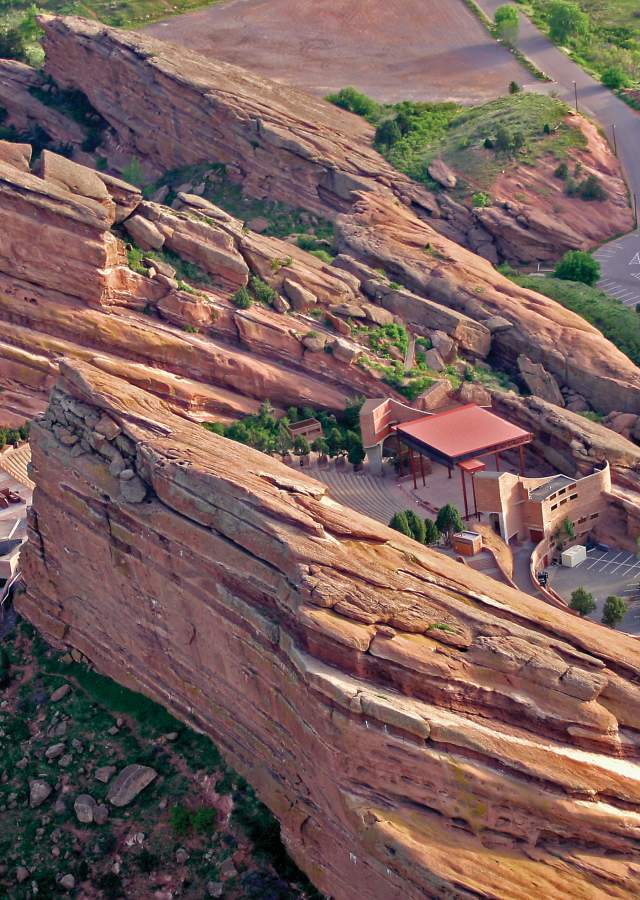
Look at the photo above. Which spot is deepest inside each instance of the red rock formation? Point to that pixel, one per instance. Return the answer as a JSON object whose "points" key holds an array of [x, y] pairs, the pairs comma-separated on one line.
{"points": [[420, 730], [88, 303]]}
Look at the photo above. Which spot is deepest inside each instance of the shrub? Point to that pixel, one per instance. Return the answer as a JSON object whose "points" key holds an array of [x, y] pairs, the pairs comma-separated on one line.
{"points": [[301, 446], [416, 526], [615, 609], [242, 298], [449, 521], [180, 819], [262, 291], [431, 532], [567, 22], [204, 819], [514, 87], [399, 523], [582, 602], [562, 171], [480, 200], [577, 265], [356, 102], [387, 133], [591, 189], [507, 24], [503, 140], [613, 77], [132, 172]]}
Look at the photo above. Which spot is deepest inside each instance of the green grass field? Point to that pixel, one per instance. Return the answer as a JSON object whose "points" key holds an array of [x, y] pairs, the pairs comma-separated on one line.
{"points": [[617, 322], [614, 38], [121, 13]]}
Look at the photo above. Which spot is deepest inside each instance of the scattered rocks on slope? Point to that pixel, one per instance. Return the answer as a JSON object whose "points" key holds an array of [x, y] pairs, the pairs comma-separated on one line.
{"points": [[84, 807], [539, 381]]}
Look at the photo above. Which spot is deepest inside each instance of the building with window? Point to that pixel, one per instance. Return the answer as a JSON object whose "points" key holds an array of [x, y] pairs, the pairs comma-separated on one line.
{"points": [[534, 509]]}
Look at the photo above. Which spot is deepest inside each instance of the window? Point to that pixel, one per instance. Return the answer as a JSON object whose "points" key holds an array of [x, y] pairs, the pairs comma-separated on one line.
{"points": [[594, 516], [571, 487], [555, 506], [573, 497], [561, 491], [582, 520], [562, 502]]}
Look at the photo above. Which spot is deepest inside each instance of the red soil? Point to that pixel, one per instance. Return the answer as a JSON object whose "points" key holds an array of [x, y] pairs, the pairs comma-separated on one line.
{"points": [[392, 50]]}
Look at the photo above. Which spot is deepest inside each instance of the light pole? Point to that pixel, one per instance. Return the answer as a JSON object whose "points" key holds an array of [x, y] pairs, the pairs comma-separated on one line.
{"points": [[575, 93], [615, 143]]}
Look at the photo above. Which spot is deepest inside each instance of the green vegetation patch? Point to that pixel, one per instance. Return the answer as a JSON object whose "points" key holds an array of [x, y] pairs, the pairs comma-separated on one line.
{"points": [[280, 220], [478, 143], [606, 38], [617, 322]]}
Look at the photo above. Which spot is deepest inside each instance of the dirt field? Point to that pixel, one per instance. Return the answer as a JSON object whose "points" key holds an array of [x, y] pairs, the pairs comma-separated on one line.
{"points": [[390, 49]]}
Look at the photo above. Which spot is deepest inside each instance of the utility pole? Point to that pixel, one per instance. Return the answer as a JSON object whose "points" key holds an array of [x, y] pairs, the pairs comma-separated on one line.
{"points": [[575, 92], [615, 143]]}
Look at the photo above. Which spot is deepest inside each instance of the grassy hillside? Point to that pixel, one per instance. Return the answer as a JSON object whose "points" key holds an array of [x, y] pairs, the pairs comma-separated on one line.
{"points": [[479, 142], [613, 38], [617, 322]]}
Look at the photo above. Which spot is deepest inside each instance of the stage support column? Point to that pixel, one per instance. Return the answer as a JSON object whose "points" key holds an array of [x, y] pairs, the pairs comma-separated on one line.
{"points": [[521, 460], [464, 494], [413, 468], [497, 462], [422, 470]]}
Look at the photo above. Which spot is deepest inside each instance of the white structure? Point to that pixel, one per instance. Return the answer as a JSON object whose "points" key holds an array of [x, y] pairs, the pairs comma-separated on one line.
{"points": [[574, 556]]}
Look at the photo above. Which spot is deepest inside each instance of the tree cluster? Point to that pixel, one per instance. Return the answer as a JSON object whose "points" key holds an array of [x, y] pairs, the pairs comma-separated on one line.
{"points": [[613, 612], [10, 436], [577, 265], [448, 521]]}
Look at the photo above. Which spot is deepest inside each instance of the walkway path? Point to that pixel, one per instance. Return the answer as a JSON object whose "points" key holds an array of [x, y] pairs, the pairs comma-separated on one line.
{"points": [[620, 265]]}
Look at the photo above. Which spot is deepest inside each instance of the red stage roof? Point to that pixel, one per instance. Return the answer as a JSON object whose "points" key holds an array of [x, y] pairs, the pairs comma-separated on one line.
{"points": [[467, 430]]}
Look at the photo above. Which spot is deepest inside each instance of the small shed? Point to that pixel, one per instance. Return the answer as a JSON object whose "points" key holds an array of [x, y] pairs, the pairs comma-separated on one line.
{"points": [[310, 429], [467, 543], [573, 556]]}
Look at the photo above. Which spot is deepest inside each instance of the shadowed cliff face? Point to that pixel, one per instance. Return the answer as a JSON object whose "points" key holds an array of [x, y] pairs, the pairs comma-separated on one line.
{"points": [[420, 730]]}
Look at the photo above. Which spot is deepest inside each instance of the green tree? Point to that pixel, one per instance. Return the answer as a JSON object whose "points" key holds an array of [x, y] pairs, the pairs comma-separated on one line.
{"points": [[356, 454], [577, 265], [431, 532], [507, 23], [12, 45], [388, 133], [567, 22], [615, 78], [416, 526], [335, 441], [449, 521], [569, 529], [399, 523], [284, 443], [582, 601], [514, 87], [615, 609], [321, 446], [301, 446]]}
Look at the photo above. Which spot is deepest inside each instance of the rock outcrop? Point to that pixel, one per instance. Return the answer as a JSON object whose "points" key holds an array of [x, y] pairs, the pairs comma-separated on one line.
{"points": [[420, 730], [66, 289]]}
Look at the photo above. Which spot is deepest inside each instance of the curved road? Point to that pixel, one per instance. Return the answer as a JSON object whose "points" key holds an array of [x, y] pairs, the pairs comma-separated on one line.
{"points": [[620, 259]]}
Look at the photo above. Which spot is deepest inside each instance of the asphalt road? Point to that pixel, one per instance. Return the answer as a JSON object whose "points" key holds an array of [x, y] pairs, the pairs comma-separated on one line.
{"points": [[620, 265]]}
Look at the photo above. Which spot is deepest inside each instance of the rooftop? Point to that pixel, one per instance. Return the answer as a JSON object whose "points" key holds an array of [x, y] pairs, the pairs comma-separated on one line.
{"points": [[553, 485], [463, 433]]}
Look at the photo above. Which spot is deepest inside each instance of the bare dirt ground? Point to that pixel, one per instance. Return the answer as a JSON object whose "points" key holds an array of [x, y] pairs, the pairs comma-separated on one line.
{"points": [[390, 49]]}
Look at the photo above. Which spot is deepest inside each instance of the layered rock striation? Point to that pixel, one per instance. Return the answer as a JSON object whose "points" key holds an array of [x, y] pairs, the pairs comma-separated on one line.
{"points": [[419, 730]]}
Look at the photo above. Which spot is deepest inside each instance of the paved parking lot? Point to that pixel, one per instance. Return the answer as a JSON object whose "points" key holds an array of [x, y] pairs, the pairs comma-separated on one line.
{"points": [[620, 261], [602, 574]]}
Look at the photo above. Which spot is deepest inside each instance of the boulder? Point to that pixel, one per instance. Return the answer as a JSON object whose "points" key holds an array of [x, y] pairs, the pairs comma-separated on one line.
{"points": [[444, 345], [67, 882], [442, 174], [343, 351], [129, 783], [39, 791], [61, 692], [469, 392], [433, 360], [126, 196], [146, 235], [77, 179], [84, 806], [104, 773], [301, 299], [377, 314], [497, 323], [539, 381], [314, 342], [16, 155], [434, 396]]}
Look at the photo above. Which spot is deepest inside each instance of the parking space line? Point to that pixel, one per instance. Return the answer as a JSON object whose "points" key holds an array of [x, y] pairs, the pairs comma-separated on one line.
{"points": [[611, 561], [597, 560], [624, 563]]}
